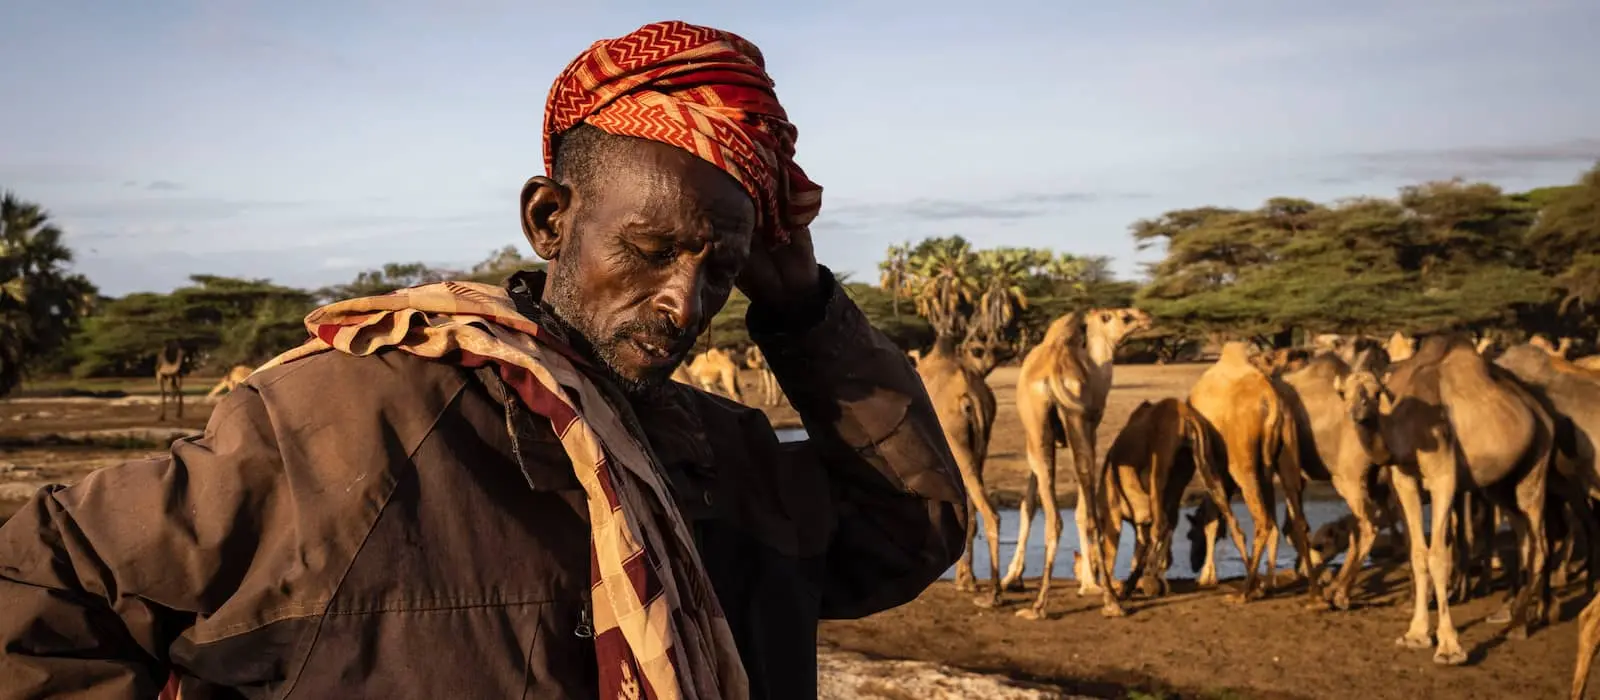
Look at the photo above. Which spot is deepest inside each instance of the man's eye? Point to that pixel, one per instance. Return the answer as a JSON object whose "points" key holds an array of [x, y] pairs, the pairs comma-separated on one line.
{"points": [[657, 255]]}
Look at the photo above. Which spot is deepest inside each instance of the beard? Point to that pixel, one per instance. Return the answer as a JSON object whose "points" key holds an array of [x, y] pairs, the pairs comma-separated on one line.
{"points": [[605, 347]]}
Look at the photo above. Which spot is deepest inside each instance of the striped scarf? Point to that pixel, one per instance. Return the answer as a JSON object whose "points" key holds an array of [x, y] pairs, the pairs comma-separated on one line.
{"points": [[658, 629]]}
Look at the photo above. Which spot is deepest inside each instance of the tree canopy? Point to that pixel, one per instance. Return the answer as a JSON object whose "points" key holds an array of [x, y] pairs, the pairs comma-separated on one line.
{"points": [[41, 301]]}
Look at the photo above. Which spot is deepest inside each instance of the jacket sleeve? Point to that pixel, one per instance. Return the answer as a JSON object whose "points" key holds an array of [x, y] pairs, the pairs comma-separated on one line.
{"points": [[898, 503], [98, 579]]}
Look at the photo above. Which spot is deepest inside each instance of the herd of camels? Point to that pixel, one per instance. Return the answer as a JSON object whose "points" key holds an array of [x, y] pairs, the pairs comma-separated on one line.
{"points": [[1487, 436]]}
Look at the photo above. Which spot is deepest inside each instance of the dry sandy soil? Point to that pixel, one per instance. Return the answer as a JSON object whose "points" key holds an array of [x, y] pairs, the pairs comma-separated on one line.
{"points": [[1191, 645]]}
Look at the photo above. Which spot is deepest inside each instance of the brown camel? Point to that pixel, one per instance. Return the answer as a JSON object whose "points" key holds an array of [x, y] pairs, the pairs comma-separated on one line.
{"points": [[1148, 467], [169, 375], [966, 408], [714, 367], [766, 381], [1061, 397], [1447, 420], [1258, 437], [231, 380]]}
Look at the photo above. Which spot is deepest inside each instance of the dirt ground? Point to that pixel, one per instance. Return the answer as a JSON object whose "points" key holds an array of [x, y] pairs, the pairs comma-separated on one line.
{"points": [[1192, 644]]}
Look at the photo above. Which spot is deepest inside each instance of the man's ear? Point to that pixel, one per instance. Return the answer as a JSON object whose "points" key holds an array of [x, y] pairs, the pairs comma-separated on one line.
{"points": [[546, 215]]}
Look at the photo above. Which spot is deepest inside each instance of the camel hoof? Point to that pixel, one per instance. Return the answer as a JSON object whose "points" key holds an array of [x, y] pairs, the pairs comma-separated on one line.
{"points": [[966, 586], [987, 602], [1151, 588], [1112, 610], [1499, 617], [1318, 604], [1031, 614], [1411, 642], [1236, 598], [1455, 657], [1012, 585], [1340, 600], [1517, 633], [1086, 591]]}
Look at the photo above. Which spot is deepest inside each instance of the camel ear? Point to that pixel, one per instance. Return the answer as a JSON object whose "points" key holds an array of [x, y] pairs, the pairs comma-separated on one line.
{"points": [[1338, 384], [1385, 402]]}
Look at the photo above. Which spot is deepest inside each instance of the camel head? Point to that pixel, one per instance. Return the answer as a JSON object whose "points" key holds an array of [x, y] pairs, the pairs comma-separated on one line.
{"points": [[753, 358], [1401, 347], [1530, 363], [1117, 324], [915, 355], [1202, 516], [1364, 396]]}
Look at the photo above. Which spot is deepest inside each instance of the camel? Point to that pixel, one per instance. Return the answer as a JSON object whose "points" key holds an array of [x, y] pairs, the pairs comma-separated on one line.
{"points": [[766, 381], [1061, 397], [1148, 466], [231, 380], [966, 408], [1400, 347], [1258, 435], [1591, 362], [1334, 451], [712, 367], [1448, 420], [915, 355], [169, 375], [1275, 362]]}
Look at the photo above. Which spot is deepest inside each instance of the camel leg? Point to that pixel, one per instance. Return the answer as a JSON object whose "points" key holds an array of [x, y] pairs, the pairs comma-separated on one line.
{"points": [[972, 477], [1442, 487], [1258, 501], [1046, 476], [1409, 492], [1221, 498], [1588, 646], [161, 386], [1040, 453], [1087, 571], [1532, 600], [1091, 479], [964, 578], [1354, 490], [177, 390], [1299, 530]]}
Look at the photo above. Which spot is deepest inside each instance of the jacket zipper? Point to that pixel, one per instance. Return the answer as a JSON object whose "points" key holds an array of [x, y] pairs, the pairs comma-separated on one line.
{"points": [[585, 628]]}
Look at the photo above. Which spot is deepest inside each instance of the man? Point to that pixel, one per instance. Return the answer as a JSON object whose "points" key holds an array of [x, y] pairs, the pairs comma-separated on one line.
{"points": [[466, 491]]}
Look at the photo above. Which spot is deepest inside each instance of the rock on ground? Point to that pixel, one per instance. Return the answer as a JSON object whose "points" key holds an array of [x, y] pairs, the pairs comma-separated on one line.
{"points": [[843, 675]]}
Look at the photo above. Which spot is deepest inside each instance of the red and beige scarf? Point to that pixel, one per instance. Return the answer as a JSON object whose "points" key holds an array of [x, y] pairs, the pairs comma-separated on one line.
{"points": [[658, 629]]}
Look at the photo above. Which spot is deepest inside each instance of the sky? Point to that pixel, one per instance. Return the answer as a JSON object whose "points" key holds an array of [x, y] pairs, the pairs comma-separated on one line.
{"points": [[307, 140]]}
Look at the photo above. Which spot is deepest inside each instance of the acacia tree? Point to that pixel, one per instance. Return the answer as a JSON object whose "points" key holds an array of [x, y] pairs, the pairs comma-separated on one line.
{"points": [[41, 302]]}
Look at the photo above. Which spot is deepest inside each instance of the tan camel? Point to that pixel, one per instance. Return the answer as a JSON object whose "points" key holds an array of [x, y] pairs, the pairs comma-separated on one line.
{"points": [[1276, 362], [1559, 350], [1148, 467], [1400, 347], [915, 355], [1336, 453], [966, 408], [169, 375], [1447, 420], [1061, 397], [714, 367], [1258, 437], [1591, 362], [766, 381], [231, 380]]}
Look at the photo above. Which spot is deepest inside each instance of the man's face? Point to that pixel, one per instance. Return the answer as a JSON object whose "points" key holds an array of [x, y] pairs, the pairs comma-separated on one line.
{"points": [[644, 257]]}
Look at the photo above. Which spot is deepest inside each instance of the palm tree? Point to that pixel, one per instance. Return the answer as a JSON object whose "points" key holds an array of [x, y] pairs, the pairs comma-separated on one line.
{"points": [[895, 273], [1004, 270], [40, 302], [944, 285]]}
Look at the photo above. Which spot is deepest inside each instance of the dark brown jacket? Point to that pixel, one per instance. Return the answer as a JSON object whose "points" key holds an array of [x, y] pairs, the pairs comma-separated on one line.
{"points": [[391, 527]]}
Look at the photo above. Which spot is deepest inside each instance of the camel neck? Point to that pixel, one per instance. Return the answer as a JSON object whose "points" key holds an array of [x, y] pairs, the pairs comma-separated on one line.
{"points": [[1101, 349]]}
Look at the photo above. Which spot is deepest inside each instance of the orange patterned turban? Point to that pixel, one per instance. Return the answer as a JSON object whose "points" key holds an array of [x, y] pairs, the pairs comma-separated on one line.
{"points": [[703, 90]]}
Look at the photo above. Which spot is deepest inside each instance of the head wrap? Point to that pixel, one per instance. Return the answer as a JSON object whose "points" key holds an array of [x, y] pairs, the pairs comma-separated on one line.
{"points": [[703, 90]]}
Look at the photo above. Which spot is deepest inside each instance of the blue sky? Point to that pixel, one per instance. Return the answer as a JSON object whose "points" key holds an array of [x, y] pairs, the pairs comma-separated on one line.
{"points": [[304, 141]]}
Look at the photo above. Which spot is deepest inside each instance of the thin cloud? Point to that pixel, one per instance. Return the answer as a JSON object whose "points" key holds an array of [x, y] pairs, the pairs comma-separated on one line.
{"points": [[1490, 162]]}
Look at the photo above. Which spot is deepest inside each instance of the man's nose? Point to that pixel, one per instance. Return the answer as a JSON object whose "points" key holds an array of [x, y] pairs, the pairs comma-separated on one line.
{"points": [[679, 300]]}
